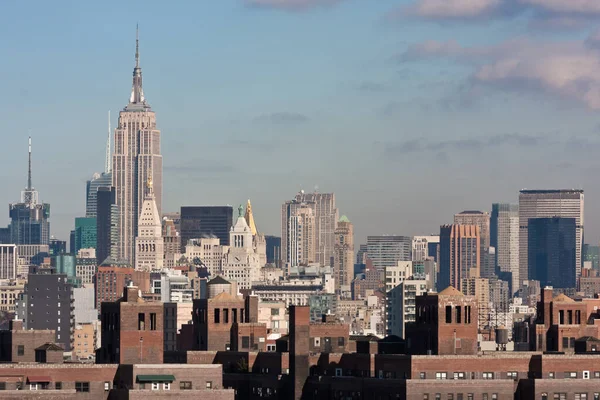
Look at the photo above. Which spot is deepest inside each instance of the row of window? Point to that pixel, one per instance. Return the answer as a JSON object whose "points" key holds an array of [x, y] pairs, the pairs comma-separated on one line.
{"points": [[460, 396], [79, 386], [463, 375], [578, 396]]}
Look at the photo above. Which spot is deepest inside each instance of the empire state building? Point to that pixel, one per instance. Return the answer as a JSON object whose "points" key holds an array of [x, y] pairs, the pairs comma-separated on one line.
{"points": [[136, 158]]}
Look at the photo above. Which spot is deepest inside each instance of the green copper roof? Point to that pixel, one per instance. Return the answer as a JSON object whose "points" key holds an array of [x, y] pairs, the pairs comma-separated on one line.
{"points": [[344, 219]]}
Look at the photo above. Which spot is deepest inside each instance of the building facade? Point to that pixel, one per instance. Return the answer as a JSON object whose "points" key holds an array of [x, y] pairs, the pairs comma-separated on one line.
{"points": [[459, 254], [343, 265], [206, 221], [136, 158], [504, 237], [298, 233], [98, 180], [149, 244], [422, 246], [549, 204], [107, 225], [85, 233], [8, 261], [481, 220], [386, 251]]}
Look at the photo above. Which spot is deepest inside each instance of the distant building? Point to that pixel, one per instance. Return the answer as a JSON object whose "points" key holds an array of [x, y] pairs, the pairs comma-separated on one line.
{"points": [[8, 261], [459, 254], [107, 220], [548, 204], [206, 221], [273, 250], [207, 253], [149, 243], [91, 193], [10, 291], [424, 247], [591, 254], [401, 305], [85, 233], [386, 251], [343, 264], [552, 251], [57, 246], [47, 303], [480, 289], [29, 219], [481, 220], [84, 343], [65, 264], [299, 233], [110, 281], [504, 237], [172, 243]]}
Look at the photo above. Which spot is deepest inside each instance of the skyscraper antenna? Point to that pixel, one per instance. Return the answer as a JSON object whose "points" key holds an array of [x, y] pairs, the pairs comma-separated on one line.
{"points": [[29, 171], [107, 167], [137, 45]]}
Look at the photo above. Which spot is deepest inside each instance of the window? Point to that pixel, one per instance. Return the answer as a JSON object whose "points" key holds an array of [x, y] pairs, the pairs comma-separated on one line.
{"points": [[422, 375], [245, 342], [459, 375], [155, 385], [544, 396], [581, 396], [470, 396], [426, 396], [450, 396], [106, 386], [338, 372], [226, 315], [274, 311], [596, 374], [448, 314], [340, 342], [458, 314], [485, 396], [596, 396], [550, 375], [152, 321], [571, 375], [438, 396], [494, 396], [440, 375], [512, 375], [488, 375], [141, 322], [565, 343], [33, 386], [20, 350], [142, 386], [166, 386], [217, 316], [560, 396], [185, 385], [209, 384], [82, 386]]}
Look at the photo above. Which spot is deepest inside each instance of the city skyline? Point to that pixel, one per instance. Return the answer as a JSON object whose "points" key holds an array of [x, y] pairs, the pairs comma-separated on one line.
{"points": [[267, 126]]}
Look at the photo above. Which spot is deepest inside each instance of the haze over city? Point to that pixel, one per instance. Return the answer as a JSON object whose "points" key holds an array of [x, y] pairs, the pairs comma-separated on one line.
{"points": [[408, 111]]}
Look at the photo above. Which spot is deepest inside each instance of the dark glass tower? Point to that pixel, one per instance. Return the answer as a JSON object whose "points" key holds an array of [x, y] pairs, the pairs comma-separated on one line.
{"points": [[107, 220], [552, 251], [29, 219], [206, 221]]}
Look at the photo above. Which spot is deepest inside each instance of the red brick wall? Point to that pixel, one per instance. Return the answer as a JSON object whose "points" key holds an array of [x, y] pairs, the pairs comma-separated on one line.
{"points": [[132, 349]]}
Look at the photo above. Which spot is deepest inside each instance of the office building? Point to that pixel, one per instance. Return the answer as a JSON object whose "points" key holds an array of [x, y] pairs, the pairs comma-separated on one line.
{"points": [[136, 158], [386, 251], [326, 218], [91, 192], [30, 254], [57, 246], [65, 264], [567, 203], [482, 220], [207, 253], [206, 221], [85, 233], [343, 264], [424, 247], [459, 254], [8, 261], [107, 225], [172, 243], [591, 254], [29, 219], [9, 294], [552, 251], [480, 289], [110, 281], [504, 237], [401, 306], [299, 233], [86, 266], [273, 250], [47, 303], [149, 244]]}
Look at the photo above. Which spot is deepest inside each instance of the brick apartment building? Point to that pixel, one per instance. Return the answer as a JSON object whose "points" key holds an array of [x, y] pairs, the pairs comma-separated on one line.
{"points": [[110, 281]]}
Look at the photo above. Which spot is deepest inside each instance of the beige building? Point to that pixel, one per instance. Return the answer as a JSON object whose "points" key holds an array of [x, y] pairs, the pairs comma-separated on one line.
{"points": [[149, 244], [459, 254], [481, 220], [172, 243], [343, 261], [84, 341], [274, 315], [480, 289], [207, 250], [9, 294], [300, 234], [136, 158]]}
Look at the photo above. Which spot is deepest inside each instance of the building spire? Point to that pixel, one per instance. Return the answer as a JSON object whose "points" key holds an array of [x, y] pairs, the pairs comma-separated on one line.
{"points": [[29, 195], [250, 218], [137, 93], [107, 166], [29, 170]]}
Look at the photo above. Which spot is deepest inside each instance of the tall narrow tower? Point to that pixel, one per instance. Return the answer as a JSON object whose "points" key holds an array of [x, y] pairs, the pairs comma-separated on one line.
{"points": [[136, 158]]}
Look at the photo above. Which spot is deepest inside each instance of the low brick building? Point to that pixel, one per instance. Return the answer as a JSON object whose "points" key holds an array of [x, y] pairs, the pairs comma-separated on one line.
{"points": [[19, 345]]}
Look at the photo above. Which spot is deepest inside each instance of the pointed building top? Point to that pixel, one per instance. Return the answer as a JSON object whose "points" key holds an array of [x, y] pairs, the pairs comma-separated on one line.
{"points": [[250, 218], [137, 45], [137, 102], [29, 195]]}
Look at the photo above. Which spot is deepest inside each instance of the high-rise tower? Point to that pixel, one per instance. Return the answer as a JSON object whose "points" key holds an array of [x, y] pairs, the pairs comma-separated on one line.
{"points": [[136, 158], [29, 218], [99, 180]]}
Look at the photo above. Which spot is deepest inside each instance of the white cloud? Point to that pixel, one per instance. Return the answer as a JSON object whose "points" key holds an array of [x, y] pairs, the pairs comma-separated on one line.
{"points": [[565, 6], [569, 69], [441, 9], [290, 5]]}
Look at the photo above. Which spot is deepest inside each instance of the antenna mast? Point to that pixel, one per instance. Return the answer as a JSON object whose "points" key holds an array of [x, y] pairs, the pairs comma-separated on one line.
{"points": [[107, 167]]}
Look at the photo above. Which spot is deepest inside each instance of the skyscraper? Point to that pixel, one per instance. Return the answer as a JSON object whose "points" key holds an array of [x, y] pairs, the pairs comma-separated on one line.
{"points": [[149, 244], [107, 225], [136, 158], [386, 250], [566, 203], [85, 233], [29, 219], [459, 254], [504, 237], [326, 217], [343, 264], [552, 244], [298, 238], [422, 246], [482, 220], [206, 221], [8, 261], [98, 180]]}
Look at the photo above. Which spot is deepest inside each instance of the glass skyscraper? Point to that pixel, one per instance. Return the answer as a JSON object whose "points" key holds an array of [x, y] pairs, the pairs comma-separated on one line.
{"points": [[85, 234]]}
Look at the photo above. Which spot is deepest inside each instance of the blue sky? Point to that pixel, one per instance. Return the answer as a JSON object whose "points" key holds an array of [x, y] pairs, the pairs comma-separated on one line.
{"points": [[410, 111]]}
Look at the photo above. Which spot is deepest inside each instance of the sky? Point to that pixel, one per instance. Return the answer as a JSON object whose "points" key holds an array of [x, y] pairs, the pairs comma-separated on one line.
{"points": [[409, 110]]}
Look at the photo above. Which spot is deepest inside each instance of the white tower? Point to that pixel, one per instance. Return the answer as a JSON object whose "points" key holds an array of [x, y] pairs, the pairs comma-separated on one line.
{"points": [[149, 243]]}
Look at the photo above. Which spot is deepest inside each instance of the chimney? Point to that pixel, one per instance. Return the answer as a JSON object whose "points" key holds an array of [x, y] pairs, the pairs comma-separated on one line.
{"points": [[131, 293]]}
